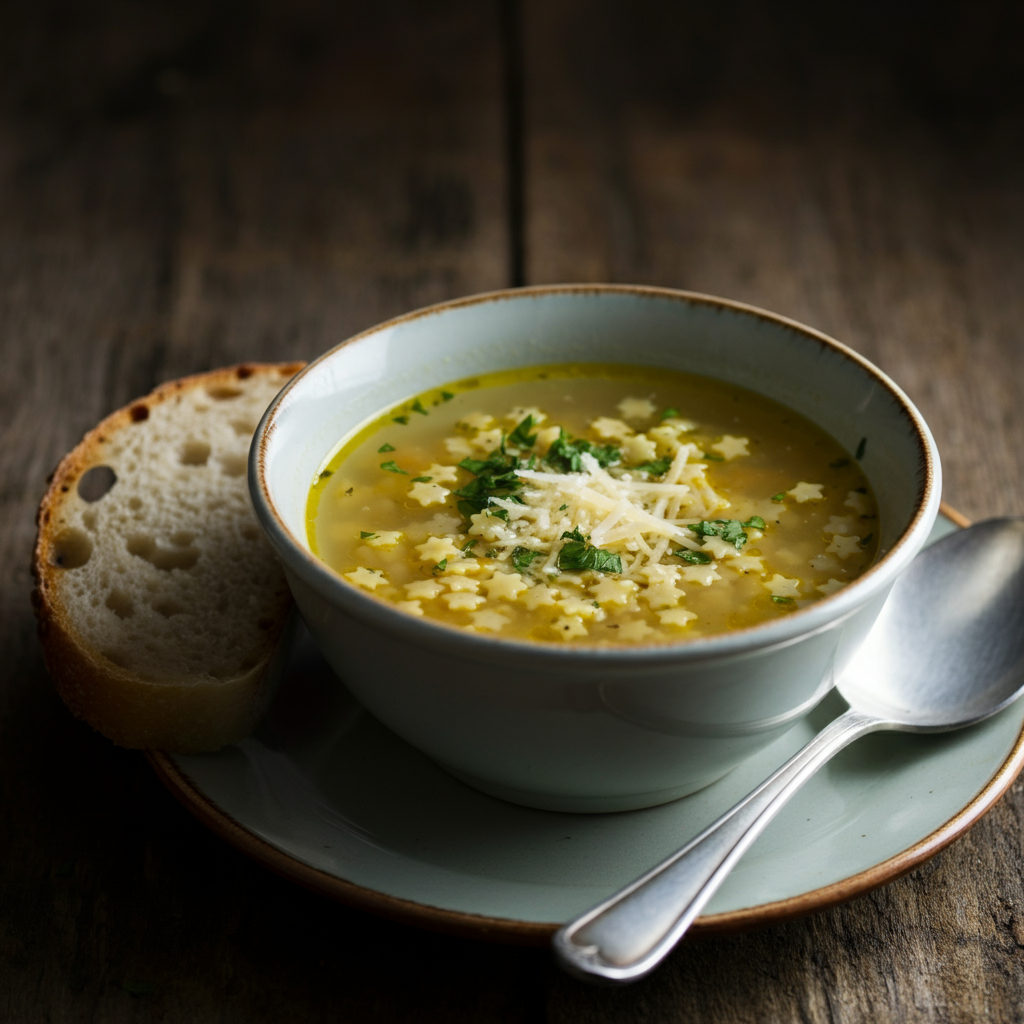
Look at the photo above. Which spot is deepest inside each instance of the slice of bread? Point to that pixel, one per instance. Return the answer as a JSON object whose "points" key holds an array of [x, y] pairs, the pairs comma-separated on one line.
{"points": [[161, 607]]}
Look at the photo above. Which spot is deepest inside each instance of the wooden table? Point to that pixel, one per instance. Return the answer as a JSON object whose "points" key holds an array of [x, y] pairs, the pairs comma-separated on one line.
{"points": [[186, 184]]}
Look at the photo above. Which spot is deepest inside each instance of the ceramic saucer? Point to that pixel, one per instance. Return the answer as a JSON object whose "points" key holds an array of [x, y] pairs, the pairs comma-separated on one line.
{"points": [[327, 796]]}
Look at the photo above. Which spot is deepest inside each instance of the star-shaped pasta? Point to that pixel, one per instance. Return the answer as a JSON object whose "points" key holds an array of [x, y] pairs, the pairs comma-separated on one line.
{"points": [[806, 492], [437, 549], [781, 586], [844, 547], [676, 617], [462, 602], [428, 493], [613, 591], [489, 620], [369, 579], [731, 447], [505, 585], [384, 539], [636, 408], [704, 575], [610, 429]]}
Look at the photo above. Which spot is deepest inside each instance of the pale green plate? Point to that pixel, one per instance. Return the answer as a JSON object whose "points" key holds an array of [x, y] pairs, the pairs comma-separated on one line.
{"points": [[327, 796]]}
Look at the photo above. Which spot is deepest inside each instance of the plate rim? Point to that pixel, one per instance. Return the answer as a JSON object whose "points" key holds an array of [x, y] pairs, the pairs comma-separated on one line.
{"points": [[537, 933]]}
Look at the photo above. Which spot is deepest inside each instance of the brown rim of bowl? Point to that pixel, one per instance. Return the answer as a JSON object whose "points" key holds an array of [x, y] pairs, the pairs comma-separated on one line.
{"points": [[705, 647], [509, 930]]}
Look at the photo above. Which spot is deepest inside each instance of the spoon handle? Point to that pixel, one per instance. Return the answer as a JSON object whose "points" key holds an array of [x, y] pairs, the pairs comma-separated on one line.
{"points": [[630, 933]]}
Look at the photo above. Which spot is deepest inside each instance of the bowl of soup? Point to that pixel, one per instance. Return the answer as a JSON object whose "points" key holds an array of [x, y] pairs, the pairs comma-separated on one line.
{"points": [[589, 547]]}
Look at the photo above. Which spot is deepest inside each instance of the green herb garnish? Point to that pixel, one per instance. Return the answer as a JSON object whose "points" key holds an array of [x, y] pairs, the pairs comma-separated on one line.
{"points": [[400, 419], [446, 396], [521, 436], [392, 467], [669, 413], [782, 600], [469, 545], [577, 553], [730, 530], [657, 467], [417, 406], [364, 534], [779, 498], [712, 457], [861, 449], [422, 479], [694, 557], [441, 566], [562, 508], [385, 447], [326, 473], [495, 478], [523, 557], [567, 456], [867, 540]]}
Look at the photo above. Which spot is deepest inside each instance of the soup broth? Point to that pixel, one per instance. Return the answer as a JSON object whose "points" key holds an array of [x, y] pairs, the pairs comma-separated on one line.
{"points": [[594, 504]]}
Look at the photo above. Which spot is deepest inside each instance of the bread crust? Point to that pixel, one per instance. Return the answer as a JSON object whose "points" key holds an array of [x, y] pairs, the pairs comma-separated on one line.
{"points": [[179, 715]]}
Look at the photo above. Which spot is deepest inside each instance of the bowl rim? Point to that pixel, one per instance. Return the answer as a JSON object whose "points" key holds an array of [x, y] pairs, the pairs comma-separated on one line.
{"points": [[821, 615]]}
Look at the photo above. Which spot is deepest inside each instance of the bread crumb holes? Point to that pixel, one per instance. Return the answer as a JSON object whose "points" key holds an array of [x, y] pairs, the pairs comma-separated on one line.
{"points": [[168, 607], [72, 548], [145, 547], [120, 604], [194, 453], [95, 483]]}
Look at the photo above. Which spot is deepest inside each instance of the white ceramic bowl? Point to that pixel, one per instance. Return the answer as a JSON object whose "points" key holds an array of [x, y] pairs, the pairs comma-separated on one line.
{"points": [[570, 728]]}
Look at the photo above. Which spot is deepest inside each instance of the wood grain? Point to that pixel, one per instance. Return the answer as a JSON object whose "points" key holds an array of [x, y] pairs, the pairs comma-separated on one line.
{"points": [[184, 185]]}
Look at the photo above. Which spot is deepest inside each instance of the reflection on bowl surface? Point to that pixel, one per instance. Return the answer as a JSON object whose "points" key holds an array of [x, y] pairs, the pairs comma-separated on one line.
{"points": [[590, 728]]}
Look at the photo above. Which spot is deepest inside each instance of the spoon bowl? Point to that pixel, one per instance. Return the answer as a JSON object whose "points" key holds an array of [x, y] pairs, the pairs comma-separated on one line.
{"points": [[947, 649], [946, 652]]}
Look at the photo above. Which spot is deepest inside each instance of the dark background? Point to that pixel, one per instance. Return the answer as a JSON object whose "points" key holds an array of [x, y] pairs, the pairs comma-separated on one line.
{"points": [[184, 185]]}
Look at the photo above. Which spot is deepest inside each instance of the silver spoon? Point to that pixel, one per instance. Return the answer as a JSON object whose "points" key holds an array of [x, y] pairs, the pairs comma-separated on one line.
{"points": [[946, 652]]}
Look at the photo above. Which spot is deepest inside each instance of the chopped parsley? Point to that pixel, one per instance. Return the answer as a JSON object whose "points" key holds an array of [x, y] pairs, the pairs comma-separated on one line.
{"points": [[712, 457], [364, 534], [385, 447], [495, 478], [392, 467], [567, 456], [694, 557], [422, 479], [441, 566], [779, 498], [417, 406], [669, 413], [656, 467], [562, 508], [446, 396], [577, 553], [782, 600], [521, 436], [326, 473], [523, 557], [861, 448], [400, 419], [867, 540], [469, 545], [730, 530]]}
